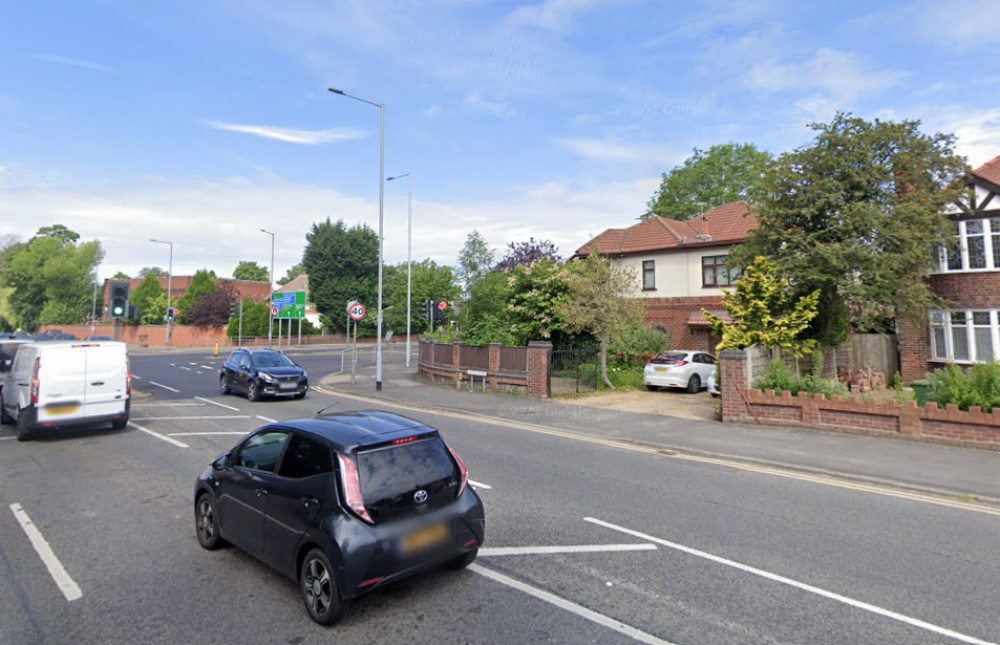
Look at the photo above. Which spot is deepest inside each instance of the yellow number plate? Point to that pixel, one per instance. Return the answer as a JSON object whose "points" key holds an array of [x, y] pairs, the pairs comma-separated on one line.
{"points": [[62, 409], [661, 369], [425, 538]]}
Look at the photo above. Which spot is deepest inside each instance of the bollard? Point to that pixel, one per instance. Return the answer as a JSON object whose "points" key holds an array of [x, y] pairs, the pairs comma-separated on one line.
{"points": [[216, 351]]}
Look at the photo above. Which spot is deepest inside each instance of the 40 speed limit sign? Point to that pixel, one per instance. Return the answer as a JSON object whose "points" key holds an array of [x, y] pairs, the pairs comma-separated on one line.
{"points": [[356, 311]]}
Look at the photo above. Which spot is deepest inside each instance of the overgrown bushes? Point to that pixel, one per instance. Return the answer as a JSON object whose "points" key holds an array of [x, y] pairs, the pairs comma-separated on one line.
{"points": [[977, 385], [778, 377]]}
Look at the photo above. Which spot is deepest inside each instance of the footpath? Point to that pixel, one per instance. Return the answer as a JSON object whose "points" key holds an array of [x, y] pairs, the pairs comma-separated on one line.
{"points": [[902, 463]]}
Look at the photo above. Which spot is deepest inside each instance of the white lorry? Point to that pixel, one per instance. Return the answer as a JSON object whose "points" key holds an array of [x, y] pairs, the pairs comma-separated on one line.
{"points": [[64, 384]]}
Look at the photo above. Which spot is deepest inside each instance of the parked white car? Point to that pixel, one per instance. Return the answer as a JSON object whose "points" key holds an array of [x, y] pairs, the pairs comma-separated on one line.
{"points": [[64, 384], [679, 368], [713, 386]]}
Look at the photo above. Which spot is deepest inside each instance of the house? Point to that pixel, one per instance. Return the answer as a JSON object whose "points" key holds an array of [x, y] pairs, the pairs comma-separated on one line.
{"points": [[968, 279], [301, 283], [679, 267]]}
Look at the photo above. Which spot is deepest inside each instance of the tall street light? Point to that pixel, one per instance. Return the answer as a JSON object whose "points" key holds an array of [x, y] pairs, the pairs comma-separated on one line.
{"points": [[409, 261], [381, 202], [270, 297], [170, 294]]}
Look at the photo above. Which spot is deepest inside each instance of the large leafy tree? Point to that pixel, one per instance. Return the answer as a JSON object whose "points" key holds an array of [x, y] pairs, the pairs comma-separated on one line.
{"points": [[51, 278], [342, 264], [764, 313], [484, 317], [527, 253], [211, 308], [430, 281], [146, 296], [599, 301], [202, 282], [248, 270], [858, 215], [474, 261], [157, 271], [533, 305], [291, 274], [724, 173]]}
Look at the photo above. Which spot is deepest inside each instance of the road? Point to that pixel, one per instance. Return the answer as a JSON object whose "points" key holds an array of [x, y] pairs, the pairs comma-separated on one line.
{"points": [[586, 543]]}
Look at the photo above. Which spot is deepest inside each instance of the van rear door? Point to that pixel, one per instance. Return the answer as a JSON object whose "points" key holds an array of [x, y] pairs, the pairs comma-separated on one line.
{"points": [[105, 385], [61, 390]]}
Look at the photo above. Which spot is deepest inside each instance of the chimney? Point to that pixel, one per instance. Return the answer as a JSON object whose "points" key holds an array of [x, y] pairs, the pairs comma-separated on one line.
{"points": [[704, 226]]}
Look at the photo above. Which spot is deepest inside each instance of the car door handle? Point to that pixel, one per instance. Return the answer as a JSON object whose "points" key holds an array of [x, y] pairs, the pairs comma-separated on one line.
{"points": [[97, 383], [261, 492], [23, 384], [309, 501]]}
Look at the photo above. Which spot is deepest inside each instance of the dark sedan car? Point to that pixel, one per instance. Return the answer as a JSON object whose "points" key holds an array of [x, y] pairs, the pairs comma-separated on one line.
{"points": [[342, 504], [262, 372]]}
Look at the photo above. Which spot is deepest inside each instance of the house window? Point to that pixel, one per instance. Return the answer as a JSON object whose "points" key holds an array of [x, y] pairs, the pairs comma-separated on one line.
{"points": [[648, 275], [715, 274], [977, 246], [965, 336]]}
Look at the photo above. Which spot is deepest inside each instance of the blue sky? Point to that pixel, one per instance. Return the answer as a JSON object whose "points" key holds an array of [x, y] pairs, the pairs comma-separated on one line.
{"points": [[203, 121]]}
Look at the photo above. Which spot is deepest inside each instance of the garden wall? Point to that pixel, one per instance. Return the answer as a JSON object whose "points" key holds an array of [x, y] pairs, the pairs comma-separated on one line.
{"points": [[496, 368], [740, 403]]}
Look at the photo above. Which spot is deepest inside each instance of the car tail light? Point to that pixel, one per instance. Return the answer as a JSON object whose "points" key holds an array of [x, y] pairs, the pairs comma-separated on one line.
{"points": [[128, 379], [352, 488], [34, 380], [464, 472], [678, 363]]}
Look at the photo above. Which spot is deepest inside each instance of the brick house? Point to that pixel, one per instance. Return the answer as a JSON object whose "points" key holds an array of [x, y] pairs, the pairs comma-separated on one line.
{"points": [[968, 279], [679, 266], [179, 284]]}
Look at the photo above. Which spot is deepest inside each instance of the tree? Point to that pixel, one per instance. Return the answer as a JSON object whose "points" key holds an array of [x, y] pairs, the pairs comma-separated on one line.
{"points": [[342, 264], [724, 173], [202, 282], [859, 215], [429, 282], [526, 253], [145, 295], [211, 308], [291, 274], [599, 300], [484, 317], [157, 271], [535, 293], [121, 275], [763, 313], [51, 277], [247, 270], [474, 261]]}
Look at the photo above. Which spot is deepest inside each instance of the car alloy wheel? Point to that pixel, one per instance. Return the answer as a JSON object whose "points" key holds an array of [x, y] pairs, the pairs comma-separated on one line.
{"points": [[224, 385], [694, 384], [319, 590], [206, 523], [253, 394]]}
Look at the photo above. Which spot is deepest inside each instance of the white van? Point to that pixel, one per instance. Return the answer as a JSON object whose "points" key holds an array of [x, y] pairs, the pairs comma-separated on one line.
{"points": [[62, 384]]}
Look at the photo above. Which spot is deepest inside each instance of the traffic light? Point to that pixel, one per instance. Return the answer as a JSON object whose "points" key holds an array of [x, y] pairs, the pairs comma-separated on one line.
{"points": [[171, 314], [234, 310], [425, 310], [437, 308], [118, 293]]}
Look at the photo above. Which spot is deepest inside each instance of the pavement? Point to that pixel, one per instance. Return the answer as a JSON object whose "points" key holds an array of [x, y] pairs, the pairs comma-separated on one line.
{"points": [[967, 473]]}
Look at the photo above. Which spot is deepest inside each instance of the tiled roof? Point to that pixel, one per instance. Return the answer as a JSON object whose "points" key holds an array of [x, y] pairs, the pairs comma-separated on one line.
{"points": [[298, 283], [698, 319], [726, 224], [990, 171]]}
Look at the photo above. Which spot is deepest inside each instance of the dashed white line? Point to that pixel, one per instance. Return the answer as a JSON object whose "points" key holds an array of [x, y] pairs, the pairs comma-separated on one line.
{"points": [[553, 550], [7, 438], [203, 434], [137, 377], [207, 367], [168, 404], [66, 585], [221, 405], [571, 607], [476, 484], [158, 435], [267, 419], [199, 418], [875, 609], [165, 387], [185, 367]]}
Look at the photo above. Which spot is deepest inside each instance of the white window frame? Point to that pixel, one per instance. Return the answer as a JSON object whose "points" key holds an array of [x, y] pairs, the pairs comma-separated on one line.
{"points": [[941, 320], [991, 229]]}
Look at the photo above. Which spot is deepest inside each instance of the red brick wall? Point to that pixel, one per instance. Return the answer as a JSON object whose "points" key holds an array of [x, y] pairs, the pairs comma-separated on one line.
{"points": [[914, 348], [672, 314], [968, 290]]}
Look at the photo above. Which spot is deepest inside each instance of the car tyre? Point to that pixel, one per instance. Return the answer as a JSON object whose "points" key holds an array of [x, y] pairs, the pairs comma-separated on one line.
{"points": [[119, 424], [206, 523], [301, 395], [652, 388], [5, 418], [463, 560], [224, 388], [319, 589], [23, 429], [253, 393], [694, 384]]}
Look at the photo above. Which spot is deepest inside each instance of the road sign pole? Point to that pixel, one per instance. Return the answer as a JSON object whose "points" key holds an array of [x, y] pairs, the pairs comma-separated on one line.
{"points": [[239, 332], [354, 352]]}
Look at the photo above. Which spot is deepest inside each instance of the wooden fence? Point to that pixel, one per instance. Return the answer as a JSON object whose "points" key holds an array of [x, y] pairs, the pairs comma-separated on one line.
{"points": [[880, 352]]}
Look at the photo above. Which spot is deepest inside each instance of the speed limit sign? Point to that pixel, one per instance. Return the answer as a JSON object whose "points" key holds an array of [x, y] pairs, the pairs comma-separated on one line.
{"points": [[357, 311]]}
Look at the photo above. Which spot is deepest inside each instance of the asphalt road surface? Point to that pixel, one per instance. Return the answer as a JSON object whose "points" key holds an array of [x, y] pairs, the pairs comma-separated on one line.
{"points": [[586, 543]]}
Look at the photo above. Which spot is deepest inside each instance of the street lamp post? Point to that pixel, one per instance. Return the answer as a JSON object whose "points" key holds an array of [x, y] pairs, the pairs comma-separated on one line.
{"points": [[409, 261], [381, 202], [270, 297], [170, 294]]}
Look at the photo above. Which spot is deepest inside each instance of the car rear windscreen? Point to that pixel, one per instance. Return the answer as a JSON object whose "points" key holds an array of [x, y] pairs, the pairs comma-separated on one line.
{"points": [[392, 477]]}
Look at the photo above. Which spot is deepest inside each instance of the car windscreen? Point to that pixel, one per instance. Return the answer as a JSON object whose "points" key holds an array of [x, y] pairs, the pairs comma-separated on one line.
{"points": [[271, 359], [391, 477]]}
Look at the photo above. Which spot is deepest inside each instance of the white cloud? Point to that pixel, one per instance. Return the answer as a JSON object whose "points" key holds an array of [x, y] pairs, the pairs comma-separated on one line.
{"points": [[978, 132], [499, 109], [291, 135], [842, 75], [72, 62], [958, 23], [556, 15], [613, 150]]}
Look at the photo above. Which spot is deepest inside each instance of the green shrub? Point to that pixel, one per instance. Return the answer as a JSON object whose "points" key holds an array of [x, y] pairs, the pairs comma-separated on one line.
{"points": [[625, 376], [778, 377], [977, 385], [634, 342]]}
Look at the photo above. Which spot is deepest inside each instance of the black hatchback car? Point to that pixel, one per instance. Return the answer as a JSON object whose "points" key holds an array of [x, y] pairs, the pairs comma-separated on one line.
{"points": [[262, 372], [342, 503]]}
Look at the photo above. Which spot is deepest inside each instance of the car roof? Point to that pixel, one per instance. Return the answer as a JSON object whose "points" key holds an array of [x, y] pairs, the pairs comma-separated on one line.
{"points": [[349, 431]]}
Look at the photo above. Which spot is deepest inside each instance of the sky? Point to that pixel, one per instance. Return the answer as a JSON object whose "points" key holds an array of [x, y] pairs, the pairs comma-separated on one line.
{"points": [[201, 122]]}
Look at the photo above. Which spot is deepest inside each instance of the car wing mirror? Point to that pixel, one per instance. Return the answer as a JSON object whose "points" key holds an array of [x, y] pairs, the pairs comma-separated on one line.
{"points": [[221, 462]]}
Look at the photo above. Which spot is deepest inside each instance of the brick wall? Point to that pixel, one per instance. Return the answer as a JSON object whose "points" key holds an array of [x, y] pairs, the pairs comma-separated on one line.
{"points": [[914, 348], [672, 314], [973, 428], [968, 290], [533, 381], [181, 335]]}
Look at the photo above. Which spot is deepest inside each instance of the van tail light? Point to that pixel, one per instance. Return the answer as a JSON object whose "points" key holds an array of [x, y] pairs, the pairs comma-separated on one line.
{"points": [[128, 378], [352, 488], [34, 380], [462, 470]]}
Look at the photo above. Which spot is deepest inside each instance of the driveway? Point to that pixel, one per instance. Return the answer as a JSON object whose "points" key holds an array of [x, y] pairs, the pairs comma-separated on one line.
{"points": [[674, 403]]}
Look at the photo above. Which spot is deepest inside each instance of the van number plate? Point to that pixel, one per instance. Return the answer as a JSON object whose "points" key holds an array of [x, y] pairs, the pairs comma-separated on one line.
{"points": [[61, 409]]}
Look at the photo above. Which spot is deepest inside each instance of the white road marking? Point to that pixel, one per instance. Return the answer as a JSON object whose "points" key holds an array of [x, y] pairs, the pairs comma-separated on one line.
{"points": [[7, 438], [185, 367], [207, 367], [858, 604], [165, 387], [221, 405], [158, 435], [169, 405], [192, 363], [66, 585], [571, 607], [266, 419], [476, 484], [136, 376], [203, 434], [826, 480], [201, 418], [552, 550]]}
